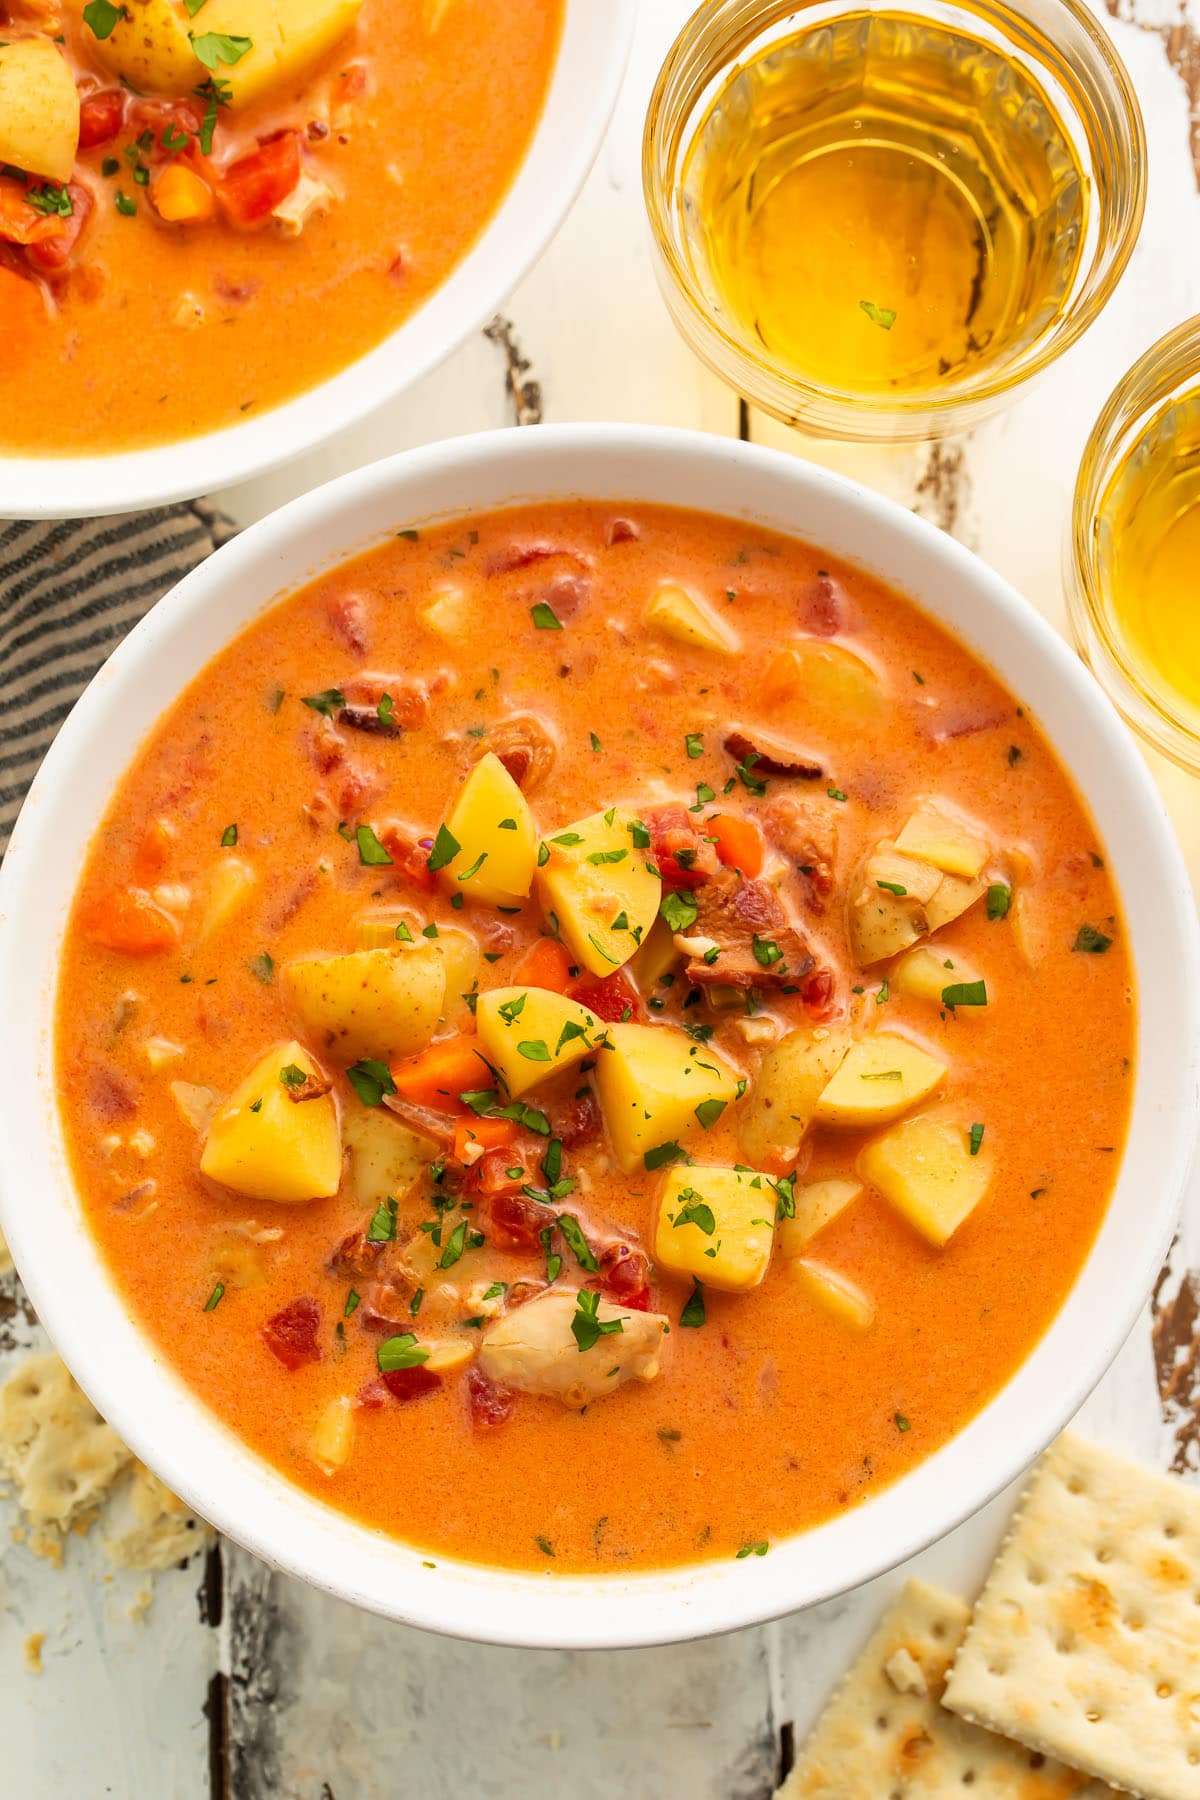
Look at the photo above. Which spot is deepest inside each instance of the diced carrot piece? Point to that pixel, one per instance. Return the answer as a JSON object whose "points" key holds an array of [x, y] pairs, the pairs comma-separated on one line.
{"points": [[473, 1136], [181, 196], [129, 920], [253, 186], [150, 858], [739, 843], [546, 964], [784, 678], [441, 1073]]}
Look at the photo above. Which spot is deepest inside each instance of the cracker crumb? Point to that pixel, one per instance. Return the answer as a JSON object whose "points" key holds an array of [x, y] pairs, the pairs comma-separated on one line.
{"points": [[905, 1674], [33, 1651]]}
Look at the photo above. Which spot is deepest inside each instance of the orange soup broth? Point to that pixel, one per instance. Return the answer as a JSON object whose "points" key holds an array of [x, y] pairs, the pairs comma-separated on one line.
{"points": [[163, 332], [774, 1415]]}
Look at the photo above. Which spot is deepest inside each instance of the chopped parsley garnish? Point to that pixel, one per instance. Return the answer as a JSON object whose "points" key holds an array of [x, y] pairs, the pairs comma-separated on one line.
{"points": [[553, 1261], [353, 1302], [1091, 941], [694, 742], [52, 200], [229, 837], [639, 834], [445, 848], [534, 1050], [709, 1111], [587, 1328], [595, 742], [371, 852], [475, 866], [679, 909], [785, 1202], [892, 887], [552, 1161], [400, 1352], [262, 967], [544, 617], [456, 1243], [975, 1138], [215, 1298], [215, 47], [330, 701], [292, 1076], [430, 930], [567, 839], [761, 1547], [900, 1422], [102, 18], [753, 784], [965, 993], [511, 1010], [382, 1229], [507, 825], [835, 793], [544, 1545], [693, 1313], [766, 952], [661, 1155], [695, 1211], [606, 856], [386, 709], [578, 1245], [999, 899], [883, 316], [371, 1080], [403, 933], [124, 205]]}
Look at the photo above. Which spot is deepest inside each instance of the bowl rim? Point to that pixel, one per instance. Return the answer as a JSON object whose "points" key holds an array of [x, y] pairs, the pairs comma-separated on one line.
{"points": [[585, 82], [169, 1428]]}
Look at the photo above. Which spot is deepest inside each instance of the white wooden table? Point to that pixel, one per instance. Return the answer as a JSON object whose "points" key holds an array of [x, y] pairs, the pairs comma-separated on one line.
{"points": [[239, 1683]]}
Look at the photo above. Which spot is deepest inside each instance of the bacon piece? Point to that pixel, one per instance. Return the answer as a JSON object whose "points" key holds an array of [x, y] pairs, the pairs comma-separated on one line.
{"points": [[824, 607], [575, 1121], [818, 994], [517, 1221], [326, 745], [410, 1384], [112, 1095], [489, 1404], [679, 851], [566, 594], [625, 1277], [410, 699], [525, 747], [735, 912], [358, 1259], [313, 1087], [490, 1174], [612, 998], [368, 718], [806, 832], [771, 755], [291, 1335], [410, 858], [348, 620], [425, 1119], [522, 556]]}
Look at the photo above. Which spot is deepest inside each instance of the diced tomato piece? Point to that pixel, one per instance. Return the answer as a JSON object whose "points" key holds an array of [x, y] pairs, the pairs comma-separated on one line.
{"points": [[410, 1384], [169, 119], [50, 254], [491, 1134], [410, 860], [516, 1221], [492, 1171], [739, 843], [253, 186], [546, 964], [625, 1277], [101, 116], [680, 853], [448, 1068], [490, 1404], [291, 1335], [150, 857], [612, 998], [131, 921]]}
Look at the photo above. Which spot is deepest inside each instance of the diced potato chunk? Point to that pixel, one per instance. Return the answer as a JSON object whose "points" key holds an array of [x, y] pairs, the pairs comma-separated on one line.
{"points": [[386, 1156], [493, 827], [533, 1348], [842, 1298], [882, 1077], [530, 1034], [783, 1096], [882, 924], [196, 1104], [447, 614], [650, 1081], [263, 1143], [717, 1225], [924, 1167], [151, 46], [377, 930], [602, 889], [923, 974], [238, 1262], [39, 109], [374, 1003], [935, 835], [162, 1052], [824, 674], [691, 620], [658, 955], [333, 1437], [888, 868], [954, 897], [817, 1205], [449, 1355], [229, 888]]}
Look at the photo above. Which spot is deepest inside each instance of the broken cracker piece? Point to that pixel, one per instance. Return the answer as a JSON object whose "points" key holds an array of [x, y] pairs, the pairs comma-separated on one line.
{"points": [[165, 1532], [876, 1742], [1084, 1643], [60, 1456]]}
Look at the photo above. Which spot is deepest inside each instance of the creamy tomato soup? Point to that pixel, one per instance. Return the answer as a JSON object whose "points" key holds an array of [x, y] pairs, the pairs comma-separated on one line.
{"points": [[205, 210], [593, 1036]]}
